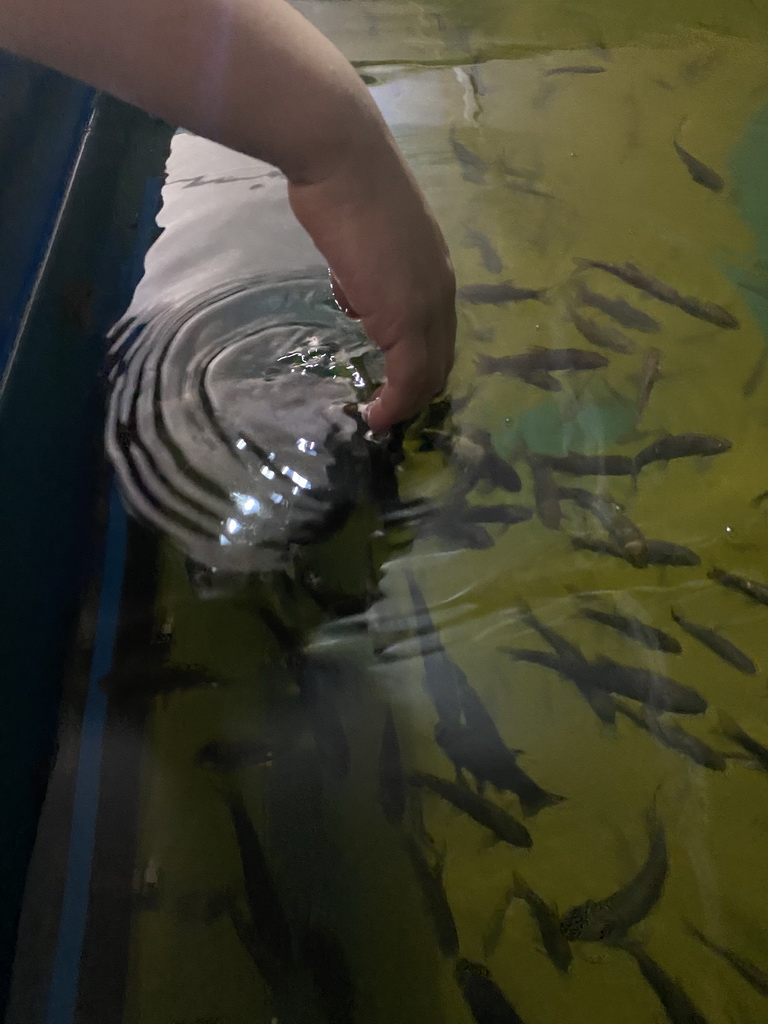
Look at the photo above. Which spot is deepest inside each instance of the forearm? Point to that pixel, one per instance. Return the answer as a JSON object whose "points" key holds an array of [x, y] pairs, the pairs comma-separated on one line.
{"points": [[252, 74]]}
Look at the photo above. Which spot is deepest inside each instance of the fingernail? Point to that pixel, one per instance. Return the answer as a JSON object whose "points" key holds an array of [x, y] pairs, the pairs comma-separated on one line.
{"points": [[365, 410], [377, 437]]}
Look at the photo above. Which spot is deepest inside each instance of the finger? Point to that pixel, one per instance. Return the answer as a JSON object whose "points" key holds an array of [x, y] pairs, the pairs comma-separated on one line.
{"points": [[411, 383], [340, 297]]}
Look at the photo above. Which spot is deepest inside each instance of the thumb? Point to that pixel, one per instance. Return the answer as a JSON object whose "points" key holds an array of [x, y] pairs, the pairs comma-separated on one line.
{"points": [[389, 407]]}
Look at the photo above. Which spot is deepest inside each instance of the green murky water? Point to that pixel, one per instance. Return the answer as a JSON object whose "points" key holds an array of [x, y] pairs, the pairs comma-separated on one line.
{"points": [[565, 166]]}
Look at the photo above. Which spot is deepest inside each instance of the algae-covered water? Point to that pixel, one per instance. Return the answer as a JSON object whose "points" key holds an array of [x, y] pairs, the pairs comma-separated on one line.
{"points": [[548, 139]]}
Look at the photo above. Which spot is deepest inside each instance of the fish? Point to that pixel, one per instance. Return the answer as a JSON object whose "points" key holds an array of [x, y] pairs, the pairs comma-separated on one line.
{"points": [[495, 930], [633, 275], [137, 679], [494, 468], [488, 255], [681, 446], [331, 976], [232, 755], [574, 666], [406, 513], [676, 1003], [757, 373], [603, 335], [267, 917], [601, 702], [506, 515], [650, 637], [494, 764], [477, 718], [486, 1001], [430, 879], [548, 922], [718, 644], [539, 379], [576, 464], [498, 821], [649, 377], [610, 516], [497, 294], [478, 457], [442, 676], [610, 676], [327, 726], [664, 552], [564, 649], [751, 588], [392, 782], [539, 359], [618, 309], [699, 171], [734, 732], [546, 493], [658, 552], [464, 535], [673, 736], [275, 973], [473, 167], [575, 69], [750, 972], [661, 692], [608, 920], [514, 184]]}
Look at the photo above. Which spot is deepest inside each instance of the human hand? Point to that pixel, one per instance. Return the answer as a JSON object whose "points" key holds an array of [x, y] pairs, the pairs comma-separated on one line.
{"points": [[390, 268]]}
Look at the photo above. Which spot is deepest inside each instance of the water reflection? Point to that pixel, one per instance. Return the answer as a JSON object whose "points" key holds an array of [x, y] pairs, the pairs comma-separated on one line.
{"points": [[228, 421]]}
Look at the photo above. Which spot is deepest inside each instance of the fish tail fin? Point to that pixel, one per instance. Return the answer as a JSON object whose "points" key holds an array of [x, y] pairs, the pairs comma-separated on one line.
{"points": [[489, 841], [695, 931], [515, 653], [729, 726], [652, 817], [519, 888], [484, 364], [533, 804]]}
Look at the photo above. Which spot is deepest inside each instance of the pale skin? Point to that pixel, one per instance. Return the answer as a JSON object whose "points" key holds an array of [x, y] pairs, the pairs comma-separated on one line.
{"points": [[258, 77]]}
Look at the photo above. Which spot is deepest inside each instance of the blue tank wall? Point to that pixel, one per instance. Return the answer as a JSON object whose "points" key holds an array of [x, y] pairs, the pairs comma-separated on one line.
{"points": [[80, 178]]}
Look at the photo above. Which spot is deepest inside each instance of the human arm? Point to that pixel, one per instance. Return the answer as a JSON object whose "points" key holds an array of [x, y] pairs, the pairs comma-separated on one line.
{"points": [[258, 77]]}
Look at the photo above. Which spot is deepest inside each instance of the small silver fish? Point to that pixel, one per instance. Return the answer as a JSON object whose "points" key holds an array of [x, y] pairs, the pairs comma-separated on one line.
{"points": [[603, 335], [750, 972], [676, 1002], [699, 171], [718, 644], [575, 69], [488, 255], [473, 167]]}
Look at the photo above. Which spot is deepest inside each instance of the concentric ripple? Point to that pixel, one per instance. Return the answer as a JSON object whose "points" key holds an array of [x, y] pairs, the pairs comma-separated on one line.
{"points": [[226, 421]]}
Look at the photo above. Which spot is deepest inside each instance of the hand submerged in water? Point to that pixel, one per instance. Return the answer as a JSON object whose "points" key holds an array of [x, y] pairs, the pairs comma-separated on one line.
{"points": [[391, 268]]}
